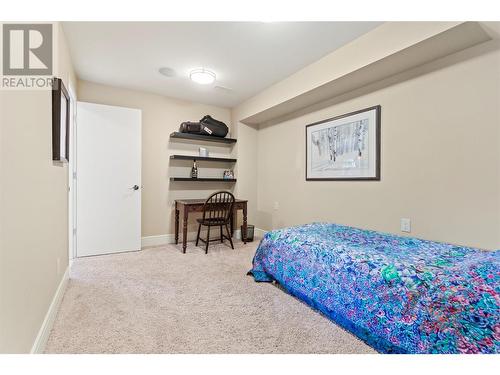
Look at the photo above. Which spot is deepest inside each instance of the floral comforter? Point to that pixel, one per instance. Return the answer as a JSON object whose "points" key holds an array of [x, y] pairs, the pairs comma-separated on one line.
{"points": [[398, 294]]}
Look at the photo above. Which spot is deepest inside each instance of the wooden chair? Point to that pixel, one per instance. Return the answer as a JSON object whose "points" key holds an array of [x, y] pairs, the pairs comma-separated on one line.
{"points": [[217, 212]]}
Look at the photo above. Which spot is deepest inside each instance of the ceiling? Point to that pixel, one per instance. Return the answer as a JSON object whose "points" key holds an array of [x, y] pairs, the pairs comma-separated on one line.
{"points": [[247, 57]]}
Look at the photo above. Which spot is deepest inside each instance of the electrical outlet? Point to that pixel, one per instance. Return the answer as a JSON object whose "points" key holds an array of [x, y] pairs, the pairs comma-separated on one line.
{"points": [[405, 225], [276, 206]]}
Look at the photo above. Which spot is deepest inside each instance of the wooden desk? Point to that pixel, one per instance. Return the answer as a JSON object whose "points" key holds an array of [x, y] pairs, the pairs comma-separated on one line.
{"points": [[196, 205]]}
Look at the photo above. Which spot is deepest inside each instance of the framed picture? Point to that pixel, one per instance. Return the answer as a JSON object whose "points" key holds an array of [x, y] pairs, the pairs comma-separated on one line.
{"points": [[345, 148], [60, 121]]}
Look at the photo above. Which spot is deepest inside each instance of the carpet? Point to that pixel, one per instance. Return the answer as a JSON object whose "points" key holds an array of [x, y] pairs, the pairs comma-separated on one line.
{"points": [[159, 300]]}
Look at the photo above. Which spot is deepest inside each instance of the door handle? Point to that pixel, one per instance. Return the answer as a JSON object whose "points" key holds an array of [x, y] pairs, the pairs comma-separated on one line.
{"points": [[135, 187]]}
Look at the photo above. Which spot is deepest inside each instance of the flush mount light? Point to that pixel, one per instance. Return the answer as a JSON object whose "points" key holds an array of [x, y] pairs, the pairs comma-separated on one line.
{"points": [[202, 76]]}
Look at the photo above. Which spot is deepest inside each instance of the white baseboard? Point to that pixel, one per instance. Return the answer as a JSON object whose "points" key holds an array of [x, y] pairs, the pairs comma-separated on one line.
{"points": [[259, 232], [164, 239], [44, 332], [237, 234], [155, 240]]}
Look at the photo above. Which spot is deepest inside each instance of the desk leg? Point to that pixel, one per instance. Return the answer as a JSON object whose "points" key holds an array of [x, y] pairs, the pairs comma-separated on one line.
{"points": [[176, 226], [233, 218], [184, 231], [244, 234]]}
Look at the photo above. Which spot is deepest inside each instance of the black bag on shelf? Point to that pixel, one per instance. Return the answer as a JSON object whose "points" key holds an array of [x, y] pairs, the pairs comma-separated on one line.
{"points": [[213, 127], [190, 127]]}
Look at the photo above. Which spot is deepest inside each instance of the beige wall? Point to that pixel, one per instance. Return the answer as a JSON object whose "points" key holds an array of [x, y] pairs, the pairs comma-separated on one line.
{"points": [[440, 160], [33, 214], [160, 117]]}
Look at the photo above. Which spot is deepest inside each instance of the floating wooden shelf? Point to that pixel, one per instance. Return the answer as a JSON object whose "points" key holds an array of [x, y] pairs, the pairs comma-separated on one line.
{"points": [[194, 157], [205, 138], [202, 179]]}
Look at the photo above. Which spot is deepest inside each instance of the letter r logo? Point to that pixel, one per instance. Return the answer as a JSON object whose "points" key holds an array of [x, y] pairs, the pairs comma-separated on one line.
{"points": [[27, 49]]}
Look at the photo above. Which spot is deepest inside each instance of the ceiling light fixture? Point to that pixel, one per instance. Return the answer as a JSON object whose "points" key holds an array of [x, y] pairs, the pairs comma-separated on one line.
{"points": [[202, 76]]}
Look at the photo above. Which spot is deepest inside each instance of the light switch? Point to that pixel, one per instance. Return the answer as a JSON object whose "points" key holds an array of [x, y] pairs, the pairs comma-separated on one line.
{"points": [[405, 225]]}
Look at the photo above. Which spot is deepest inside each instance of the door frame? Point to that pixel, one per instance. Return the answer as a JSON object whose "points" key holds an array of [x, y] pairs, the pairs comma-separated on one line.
{"points": [[72, 165]]}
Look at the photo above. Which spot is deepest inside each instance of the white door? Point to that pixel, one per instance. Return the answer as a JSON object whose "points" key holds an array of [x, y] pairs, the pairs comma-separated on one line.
{"points": [[108, 179]]}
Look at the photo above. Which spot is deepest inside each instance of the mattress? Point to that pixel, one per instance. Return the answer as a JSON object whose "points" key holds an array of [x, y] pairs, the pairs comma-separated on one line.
{"points": [[398, 294]]}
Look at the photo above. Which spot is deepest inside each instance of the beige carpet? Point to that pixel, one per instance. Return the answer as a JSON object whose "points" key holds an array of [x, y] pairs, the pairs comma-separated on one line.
{"points": [[159, 300]]}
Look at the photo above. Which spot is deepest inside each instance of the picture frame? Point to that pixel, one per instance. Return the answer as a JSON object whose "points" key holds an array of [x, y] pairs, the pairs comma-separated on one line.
{"points": [[60, 121], [345, 148]]}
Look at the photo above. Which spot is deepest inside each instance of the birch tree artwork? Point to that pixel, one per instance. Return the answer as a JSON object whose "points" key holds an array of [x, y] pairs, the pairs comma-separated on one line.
{"points": [[340, 147], [345, 147]]}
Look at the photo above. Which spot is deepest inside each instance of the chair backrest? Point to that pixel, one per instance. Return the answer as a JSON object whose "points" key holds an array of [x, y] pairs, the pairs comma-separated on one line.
{"points": [[219, 206]]}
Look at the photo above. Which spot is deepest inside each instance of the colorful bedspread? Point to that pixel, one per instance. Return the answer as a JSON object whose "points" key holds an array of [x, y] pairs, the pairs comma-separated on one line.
{"points": [[398, 294]]}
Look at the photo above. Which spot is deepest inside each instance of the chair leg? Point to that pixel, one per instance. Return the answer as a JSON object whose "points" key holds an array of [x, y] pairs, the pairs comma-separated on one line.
{"points": [[198, 235], [221, 237], [208, 240], [230, 239]]}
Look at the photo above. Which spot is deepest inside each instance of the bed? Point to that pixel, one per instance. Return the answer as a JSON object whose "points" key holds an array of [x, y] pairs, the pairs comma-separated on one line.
{"points": [[398, 294]]}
